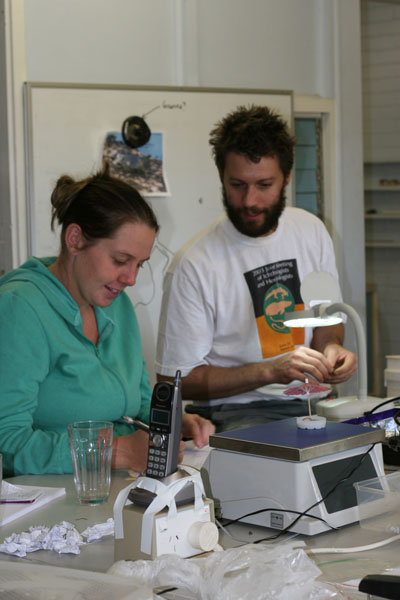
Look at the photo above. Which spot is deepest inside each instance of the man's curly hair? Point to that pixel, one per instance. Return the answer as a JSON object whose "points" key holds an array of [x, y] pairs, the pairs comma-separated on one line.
{"points": [[255, 132]]}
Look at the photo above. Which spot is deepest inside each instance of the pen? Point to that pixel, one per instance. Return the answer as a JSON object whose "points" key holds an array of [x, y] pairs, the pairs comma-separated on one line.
{"points": [[138, 424]]}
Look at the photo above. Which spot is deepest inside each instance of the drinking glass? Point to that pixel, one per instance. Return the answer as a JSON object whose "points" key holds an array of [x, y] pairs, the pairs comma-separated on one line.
{"points": [[91, 448]]}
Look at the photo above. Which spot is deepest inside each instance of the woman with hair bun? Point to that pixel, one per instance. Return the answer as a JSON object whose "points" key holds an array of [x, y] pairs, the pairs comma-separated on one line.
{"points": [[70, 345]]}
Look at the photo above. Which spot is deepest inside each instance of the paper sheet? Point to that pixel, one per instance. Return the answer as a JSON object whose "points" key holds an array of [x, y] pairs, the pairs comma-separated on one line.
{"points": [[19, 494], [195, 457], [14, 510]]}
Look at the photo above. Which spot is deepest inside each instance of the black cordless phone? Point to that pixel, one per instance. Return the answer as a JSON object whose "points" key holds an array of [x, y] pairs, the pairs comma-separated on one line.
{"points": [[165, 428]]}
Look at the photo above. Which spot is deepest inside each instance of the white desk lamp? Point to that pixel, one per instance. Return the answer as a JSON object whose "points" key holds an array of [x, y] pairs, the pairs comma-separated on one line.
{"points": [[325, 312]]}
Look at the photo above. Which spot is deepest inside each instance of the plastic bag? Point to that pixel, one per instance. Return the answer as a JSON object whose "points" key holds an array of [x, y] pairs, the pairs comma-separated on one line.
{"points": [[250, 572]]}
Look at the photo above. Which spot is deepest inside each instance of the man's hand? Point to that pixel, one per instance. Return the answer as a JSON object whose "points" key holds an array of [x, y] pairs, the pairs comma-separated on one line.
{"points": [[344, 363], [198, 429], [326, 361], [299, 363]]}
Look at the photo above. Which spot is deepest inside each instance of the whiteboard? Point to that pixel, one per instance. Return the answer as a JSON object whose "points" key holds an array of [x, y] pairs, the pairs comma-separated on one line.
{"points": [[66, 126]]}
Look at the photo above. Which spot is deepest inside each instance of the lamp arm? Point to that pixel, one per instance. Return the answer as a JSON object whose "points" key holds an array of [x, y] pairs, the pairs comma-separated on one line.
{"points": [[335, 307]]}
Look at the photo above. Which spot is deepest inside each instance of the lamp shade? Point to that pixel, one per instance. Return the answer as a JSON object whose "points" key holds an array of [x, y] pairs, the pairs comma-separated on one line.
{"points": [[312, 317], [319, 287]]}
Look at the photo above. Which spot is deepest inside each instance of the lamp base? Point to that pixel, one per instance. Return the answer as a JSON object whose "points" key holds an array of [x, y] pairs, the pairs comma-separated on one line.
{"points": [[348, 407]]}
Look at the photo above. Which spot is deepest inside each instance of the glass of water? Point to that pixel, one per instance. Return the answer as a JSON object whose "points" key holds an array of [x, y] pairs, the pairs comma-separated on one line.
{"points": [[91, 448]]}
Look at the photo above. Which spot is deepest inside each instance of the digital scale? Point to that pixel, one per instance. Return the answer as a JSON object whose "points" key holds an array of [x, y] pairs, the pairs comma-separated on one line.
{"points": [[277, 468]]}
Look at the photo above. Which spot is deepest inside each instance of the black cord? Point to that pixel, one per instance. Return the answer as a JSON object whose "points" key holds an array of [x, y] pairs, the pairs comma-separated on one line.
{"points": [[285, 510], [303, 514], [369, 412]]}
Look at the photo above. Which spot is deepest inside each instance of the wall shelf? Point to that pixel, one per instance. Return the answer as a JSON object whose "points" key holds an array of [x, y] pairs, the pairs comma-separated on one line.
{"points": [[382, 188], [382, 216], [382, 204], [382, 244]]}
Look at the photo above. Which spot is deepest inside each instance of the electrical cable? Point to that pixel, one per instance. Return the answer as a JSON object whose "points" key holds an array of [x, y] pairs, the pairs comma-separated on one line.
{"points": [[393, 442], [140, 303], [285, 510], [373, 546], [369, 412], [166, 252], [229, 534], [162, 248], [159, 242]]}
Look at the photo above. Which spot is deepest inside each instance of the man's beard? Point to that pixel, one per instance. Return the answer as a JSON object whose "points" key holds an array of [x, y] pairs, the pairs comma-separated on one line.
{"points": [[252, 229]]}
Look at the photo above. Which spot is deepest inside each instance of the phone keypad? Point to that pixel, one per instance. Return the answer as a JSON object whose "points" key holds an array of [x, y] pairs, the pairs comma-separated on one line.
{"points": [[157, 462]]}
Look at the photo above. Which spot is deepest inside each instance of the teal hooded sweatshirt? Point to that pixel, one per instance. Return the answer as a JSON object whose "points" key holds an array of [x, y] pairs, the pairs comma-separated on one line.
{"points": [[51, 374]]}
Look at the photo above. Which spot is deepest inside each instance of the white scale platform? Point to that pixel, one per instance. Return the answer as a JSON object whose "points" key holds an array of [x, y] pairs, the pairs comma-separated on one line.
{"points": [[277, 468]]}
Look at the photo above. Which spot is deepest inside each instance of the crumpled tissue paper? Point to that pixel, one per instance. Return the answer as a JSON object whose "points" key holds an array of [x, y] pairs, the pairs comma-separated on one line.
{"points": [[62, 538]]}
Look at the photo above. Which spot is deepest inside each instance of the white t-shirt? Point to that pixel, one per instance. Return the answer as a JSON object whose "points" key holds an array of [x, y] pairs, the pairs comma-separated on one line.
{"points": [[225, 295]]}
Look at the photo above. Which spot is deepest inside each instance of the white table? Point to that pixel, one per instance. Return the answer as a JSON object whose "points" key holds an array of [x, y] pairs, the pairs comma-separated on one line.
{"points": [[99, 556]]}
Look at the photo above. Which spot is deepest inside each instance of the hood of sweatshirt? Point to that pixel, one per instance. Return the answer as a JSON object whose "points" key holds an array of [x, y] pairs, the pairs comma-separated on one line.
{"points": [[39, 280]]}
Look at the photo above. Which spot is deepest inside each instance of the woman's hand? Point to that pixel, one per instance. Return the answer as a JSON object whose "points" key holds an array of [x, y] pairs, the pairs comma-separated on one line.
{"points": [[130, 451], [198, 429]]}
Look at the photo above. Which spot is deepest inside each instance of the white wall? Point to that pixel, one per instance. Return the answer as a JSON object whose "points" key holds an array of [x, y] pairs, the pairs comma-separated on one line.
{"points": [[100, 41], [270, 44], [281, 44], [309, 46]]}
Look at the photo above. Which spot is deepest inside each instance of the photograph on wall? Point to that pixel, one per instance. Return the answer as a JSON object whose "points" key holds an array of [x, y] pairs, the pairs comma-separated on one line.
{"points": [[141, 167]]}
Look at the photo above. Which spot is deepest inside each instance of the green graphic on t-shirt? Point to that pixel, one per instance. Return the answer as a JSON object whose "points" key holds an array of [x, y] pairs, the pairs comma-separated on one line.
{"points": [[277, 301]]}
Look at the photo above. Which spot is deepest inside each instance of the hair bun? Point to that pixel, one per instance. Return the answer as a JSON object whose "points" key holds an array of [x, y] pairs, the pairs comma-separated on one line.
{"points": [[63, 194]]}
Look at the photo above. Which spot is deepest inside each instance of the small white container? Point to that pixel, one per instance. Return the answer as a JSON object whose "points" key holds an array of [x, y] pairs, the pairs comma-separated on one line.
{"points": [[378, 503], [393, 361], [392, 382]]}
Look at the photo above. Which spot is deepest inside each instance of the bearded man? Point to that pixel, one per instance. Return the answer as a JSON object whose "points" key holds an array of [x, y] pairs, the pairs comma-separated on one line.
{"points": [[227, 290]]}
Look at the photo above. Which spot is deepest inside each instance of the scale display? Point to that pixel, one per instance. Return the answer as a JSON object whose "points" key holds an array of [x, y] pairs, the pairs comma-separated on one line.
{"points": [[344, 496]]}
